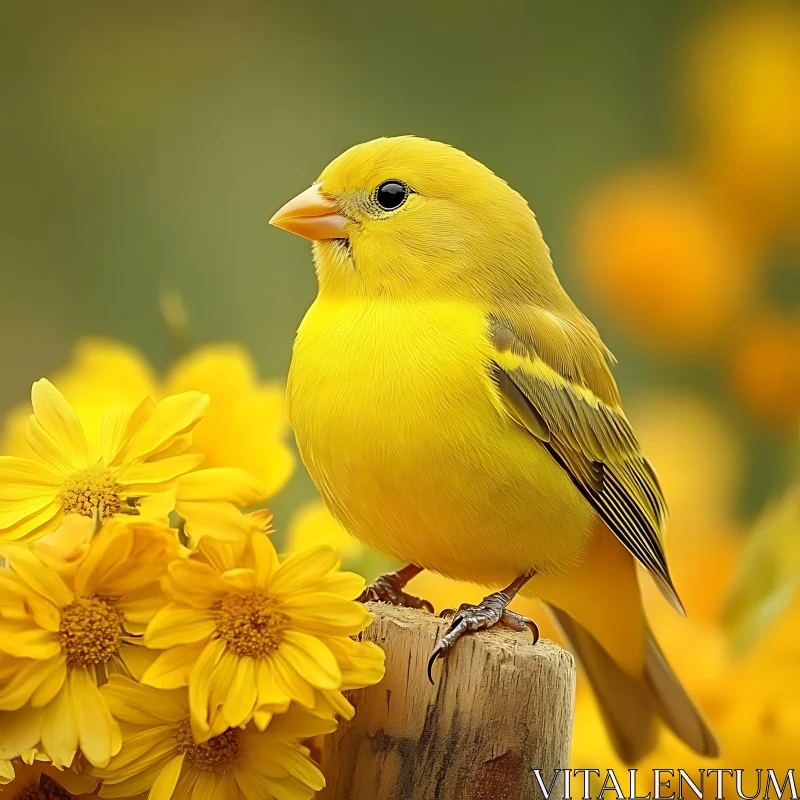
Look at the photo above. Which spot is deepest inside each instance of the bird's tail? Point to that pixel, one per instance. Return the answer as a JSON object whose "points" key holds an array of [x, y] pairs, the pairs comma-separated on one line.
{"points": [[632, 705]]}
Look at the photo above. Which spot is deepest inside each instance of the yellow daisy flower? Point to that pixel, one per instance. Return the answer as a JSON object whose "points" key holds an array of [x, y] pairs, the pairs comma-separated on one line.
{"points": [[61, 636], [245, 426], [249, 634], [160, 754], [141, 452]]}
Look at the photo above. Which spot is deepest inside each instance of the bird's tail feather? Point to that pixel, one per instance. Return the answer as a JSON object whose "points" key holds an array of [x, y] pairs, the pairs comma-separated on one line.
{"points": [[631, 706], [675, 706]]}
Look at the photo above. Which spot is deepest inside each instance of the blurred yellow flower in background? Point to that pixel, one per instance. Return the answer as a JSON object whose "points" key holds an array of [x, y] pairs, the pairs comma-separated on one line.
{"points": [[141, 452], [764, 370], [661, 261], [160, 754], [243, 427], [249, 634], [246, 423], [60, 638], [313, 525], [742, 81]]}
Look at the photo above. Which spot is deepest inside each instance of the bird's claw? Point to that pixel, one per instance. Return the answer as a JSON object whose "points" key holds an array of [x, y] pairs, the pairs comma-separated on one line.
{"points": [[489, 612], [516, 622], [388, 589]]}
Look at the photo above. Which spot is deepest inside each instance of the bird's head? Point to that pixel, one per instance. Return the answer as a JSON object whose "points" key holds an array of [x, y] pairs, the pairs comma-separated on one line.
{"points": [[409, 217]]}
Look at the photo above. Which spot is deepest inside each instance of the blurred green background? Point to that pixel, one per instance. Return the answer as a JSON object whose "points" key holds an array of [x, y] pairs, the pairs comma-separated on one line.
{"points": [[145, 145]]}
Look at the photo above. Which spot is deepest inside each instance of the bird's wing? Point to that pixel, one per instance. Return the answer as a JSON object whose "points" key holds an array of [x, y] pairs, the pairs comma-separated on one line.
{"points": [[554, 378]]}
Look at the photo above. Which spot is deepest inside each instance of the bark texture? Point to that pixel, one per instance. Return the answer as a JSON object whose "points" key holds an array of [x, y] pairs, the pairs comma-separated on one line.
{"points": [[500, 707]]}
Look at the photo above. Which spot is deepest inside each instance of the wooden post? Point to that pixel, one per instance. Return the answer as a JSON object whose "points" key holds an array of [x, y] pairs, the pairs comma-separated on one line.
{"points": [[500, 707]]}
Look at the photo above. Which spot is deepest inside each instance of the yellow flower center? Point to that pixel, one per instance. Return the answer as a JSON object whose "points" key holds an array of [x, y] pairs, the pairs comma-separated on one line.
{"points": [[218, 754], [90, 489], [251, 624], [90, 631]]}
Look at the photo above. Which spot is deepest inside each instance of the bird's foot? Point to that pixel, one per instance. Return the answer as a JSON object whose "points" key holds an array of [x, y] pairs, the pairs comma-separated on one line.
{"points": [[468, 618], [388, 588]]}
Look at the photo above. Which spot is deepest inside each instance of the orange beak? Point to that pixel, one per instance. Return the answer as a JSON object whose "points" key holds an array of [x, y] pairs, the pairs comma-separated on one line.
{"points": [[312, 215]]}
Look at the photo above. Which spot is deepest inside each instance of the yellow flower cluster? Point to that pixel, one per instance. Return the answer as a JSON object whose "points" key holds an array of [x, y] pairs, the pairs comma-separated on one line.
{"points": [[145, 664]]}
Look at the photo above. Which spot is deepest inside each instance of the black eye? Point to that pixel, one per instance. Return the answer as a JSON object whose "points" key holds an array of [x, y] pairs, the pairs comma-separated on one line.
{"points": [[391, 194]]}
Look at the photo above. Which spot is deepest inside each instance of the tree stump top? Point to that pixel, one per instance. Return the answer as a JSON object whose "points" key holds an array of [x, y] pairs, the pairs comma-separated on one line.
{"points": [[499, 707]]}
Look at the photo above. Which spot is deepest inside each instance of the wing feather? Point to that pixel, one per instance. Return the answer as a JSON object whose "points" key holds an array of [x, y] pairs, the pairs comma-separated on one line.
{"points": [[571, 405]]}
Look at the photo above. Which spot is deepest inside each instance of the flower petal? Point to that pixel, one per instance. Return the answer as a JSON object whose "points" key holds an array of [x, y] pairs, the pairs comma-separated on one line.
{"points": [[224, 484], [144, 748], [222, 556], [173, 667], [253, 785], [143, 476], [111, 547], [291, 682], [165, 783], [43, 612], [299, 765], [134, 785], [15, 512], [98, 732], [183, 791], [326, 614], [205, 786], [347, 585], [136, 704], [141, 605], [219, 688], [195, 583], [135, 659], [226, 787], [361, 663], [43, 521], [21, 640], [242, 693], [311, 659], [265, 558], [219, 520], [60, 729], [170, 418], [21, 731], [177, 624], [120, 424], [40, 578], [51, 685], [21, 478], [270, 693], [59, 420], [300, 571], [200, 683]]}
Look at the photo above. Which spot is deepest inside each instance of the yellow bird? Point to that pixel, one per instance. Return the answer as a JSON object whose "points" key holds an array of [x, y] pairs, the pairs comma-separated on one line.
{"points": [[456, 411]]}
